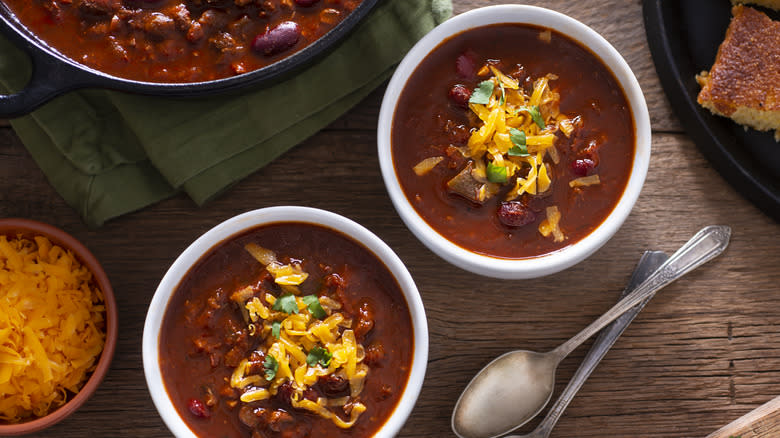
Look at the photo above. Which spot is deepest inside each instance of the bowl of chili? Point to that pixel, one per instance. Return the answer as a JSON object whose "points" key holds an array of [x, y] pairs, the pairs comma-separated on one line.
{"points": [[513, 160], [286, 320], [169, 47], [55, 291]]}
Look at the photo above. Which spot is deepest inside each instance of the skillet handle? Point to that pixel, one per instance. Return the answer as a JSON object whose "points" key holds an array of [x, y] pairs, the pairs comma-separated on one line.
{"points": [[51, 77]]}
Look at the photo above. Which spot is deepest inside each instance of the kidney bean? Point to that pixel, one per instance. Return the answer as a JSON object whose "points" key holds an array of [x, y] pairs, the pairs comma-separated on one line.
{"points": [[460, 95], [198, 409], [582, 166], [277, 39], [306, 3], [515, 214], [332, 386]]}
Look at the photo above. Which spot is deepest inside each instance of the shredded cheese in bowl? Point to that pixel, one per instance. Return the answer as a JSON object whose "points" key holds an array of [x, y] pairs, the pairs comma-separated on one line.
{"points": [[52, 327], [511, 148], [304, 338]]}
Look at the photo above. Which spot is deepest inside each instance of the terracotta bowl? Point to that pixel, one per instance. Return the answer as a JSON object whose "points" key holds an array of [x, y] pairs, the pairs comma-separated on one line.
{"points": [[30, 228]]}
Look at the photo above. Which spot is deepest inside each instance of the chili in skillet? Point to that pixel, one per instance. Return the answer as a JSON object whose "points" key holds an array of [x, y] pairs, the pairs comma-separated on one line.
{"points": [[178, 41]]}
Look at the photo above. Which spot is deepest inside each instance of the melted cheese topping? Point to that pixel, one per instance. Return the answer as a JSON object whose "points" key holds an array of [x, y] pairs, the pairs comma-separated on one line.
{"points": [[299, 335], [51, 317], [510, 108], [550, 225]]}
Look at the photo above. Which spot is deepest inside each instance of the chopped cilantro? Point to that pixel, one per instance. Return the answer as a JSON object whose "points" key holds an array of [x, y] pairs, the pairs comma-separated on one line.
{"points": [[313, 303], [496, 174], [286, 303], [482, 93], [502, 100], [319, 355], [271, 366], [535, 114], [518, 140], [276, 329]]}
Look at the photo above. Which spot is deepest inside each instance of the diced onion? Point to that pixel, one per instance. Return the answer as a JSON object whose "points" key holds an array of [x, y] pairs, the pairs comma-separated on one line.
{"points": [[262, 255], [585, 181], [426, 165], [292, 343]]}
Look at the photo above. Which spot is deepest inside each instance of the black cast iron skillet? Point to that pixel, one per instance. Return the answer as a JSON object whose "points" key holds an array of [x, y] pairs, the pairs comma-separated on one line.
{"points": [[54, 74], [684, 36]]}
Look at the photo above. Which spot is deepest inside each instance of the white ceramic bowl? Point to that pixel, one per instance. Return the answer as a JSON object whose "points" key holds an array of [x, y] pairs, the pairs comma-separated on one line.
{"points": [[252, 219], [545, 264]]}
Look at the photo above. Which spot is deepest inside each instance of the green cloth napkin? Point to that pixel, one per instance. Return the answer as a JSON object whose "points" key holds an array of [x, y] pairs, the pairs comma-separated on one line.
{"points": [[109, 153]]}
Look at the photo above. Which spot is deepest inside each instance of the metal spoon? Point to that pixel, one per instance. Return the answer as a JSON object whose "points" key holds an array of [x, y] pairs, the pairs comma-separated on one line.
{"points": [[516, 386], [648, 263]]}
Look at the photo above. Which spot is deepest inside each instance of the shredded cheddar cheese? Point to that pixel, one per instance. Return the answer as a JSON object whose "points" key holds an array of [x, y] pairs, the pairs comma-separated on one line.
{"points": [[303, 346], [51, 327], [550, 225], [513, 142], [517, 132]]}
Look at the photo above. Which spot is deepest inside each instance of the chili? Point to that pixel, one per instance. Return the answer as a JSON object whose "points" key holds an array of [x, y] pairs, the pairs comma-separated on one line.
{"points": [[433, 118], [205, 335], [179, 40]]}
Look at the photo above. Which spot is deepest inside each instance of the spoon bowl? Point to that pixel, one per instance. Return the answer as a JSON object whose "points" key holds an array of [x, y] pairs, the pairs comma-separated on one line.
{"points": [[494, 394]]}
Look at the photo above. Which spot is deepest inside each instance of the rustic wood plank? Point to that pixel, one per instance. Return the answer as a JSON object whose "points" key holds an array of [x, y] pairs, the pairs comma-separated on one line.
{"points": [[702, 353], [762, 422]]}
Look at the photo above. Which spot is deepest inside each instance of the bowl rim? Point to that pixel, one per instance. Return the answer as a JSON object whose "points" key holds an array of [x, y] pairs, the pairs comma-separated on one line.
{"points": [[563, 258], [266, 216], [60, 237]]}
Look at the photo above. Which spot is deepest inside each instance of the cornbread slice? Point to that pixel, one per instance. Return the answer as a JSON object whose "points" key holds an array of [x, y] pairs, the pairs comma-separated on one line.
{"points": [[773, 4], [744, 82]]}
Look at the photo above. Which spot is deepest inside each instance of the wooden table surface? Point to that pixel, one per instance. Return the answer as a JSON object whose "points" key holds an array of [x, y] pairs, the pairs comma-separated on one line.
{"points": [[702, 353]]}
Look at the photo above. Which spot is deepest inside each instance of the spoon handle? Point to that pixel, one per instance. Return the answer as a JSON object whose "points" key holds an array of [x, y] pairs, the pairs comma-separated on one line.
{"points": [[649, 262], [703, 247]]}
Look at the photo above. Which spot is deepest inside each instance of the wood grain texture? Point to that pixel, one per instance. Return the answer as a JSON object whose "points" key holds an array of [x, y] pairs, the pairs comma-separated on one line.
{"points": [[705, 351], [762, 422]]}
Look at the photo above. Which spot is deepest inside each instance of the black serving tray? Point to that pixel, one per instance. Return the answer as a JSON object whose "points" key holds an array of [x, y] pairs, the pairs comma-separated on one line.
{"points": [[684, 37]]}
